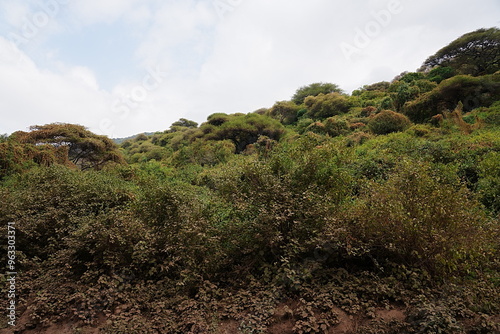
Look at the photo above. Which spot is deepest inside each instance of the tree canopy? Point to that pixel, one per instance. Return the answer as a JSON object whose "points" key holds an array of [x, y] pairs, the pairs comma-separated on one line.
{"points": [[84, 148], [475, 53], [242, 130], [314, 90]]}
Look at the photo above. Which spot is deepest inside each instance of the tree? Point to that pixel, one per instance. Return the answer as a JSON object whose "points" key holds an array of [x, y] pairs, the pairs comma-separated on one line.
{"points": [[476, 53], [84, 148], [440, 73], [183, 122], [403, 92], [285, 112], [242, 130], [314, 90], [409, 77]]}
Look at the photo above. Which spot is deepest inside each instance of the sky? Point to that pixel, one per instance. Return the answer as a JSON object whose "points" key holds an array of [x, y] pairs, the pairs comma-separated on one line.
{"points": [[123, 67]]}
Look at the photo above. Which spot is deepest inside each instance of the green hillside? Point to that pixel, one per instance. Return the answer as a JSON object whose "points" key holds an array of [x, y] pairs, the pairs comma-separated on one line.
{"points": [[371, 212]]}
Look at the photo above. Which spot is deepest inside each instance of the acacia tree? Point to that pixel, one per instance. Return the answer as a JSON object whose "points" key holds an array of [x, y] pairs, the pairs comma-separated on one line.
{"points": [[84, 148], [241, 129], [185, 123], [475, 53]]}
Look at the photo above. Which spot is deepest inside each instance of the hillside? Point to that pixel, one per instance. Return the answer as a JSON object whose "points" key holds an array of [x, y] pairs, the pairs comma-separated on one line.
{"points": [[371, 212]]}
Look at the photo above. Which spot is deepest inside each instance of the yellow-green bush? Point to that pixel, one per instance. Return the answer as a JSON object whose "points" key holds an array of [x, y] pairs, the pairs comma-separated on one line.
{"points": [[424, 216], [388, 121]]}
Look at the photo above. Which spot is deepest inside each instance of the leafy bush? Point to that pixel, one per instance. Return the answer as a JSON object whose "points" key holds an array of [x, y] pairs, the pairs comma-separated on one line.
{"points": [[50, 203], [204, 153], [474, 92], [324, 106], [335, 127], [388, 121], [314, 89], [440, 73], [489, 184], [242, 130], [317, 127], [425, 217], [285, 111]]}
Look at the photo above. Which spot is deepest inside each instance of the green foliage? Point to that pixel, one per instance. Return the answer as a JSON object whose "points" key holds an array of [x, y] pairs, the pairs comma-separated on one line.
{"points": [[141, 137], [50, 203], [324, 106], [336, 127], [388, 121], [489, 184], [489, 116], [205, 153], [218, 119], [314, 89], [440, 73], [184, 123], [242, 130], [84, 149], [403, 93], [425, 218], [317, 127], [348, 218], [285, 111], [57, 144], [474, 92], [380, 86], [475, 53], [15, 157], [410, 77], [303, 124]]}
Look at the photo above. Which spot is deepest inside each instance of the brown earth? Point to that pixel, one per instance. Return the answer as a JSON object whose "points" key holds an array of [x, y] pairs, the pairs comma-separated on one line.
{"points": [[283, 322]]}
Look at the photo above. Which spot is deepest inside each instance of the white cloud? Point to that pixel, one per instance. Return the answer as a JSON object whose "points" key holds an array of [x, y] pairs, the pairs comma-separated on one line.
{"points": [[14, 12], [84, 76], [108, 11], [31, 96], [256, 53]]}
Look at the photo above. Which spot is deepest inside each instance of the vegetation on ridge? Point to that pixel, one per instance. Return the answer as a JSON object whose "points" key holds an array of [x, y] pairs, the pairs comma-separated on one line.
{"points": [[324, 211]]}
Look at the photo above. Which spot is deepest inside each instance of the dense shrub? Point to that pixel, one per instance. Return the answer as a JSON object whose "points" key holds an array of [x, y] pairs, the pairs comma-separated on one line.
{"points": [[285, 111], [314, 89], [489, 183], [242, 130], [388, 121], [336, 127], [324, 106], [243, 224], [49, 204], [473, 92], [205, 153], [440, 73], [317, 127], [426, 217]]}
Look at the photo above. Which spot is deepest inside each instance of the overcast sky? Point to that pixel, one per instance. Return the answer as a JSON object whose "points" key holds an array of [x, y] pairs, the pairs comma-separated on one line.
{"points": [[122, 67]]}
